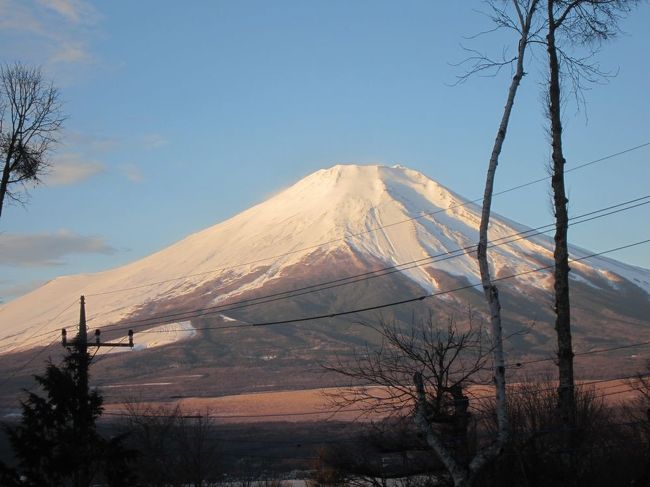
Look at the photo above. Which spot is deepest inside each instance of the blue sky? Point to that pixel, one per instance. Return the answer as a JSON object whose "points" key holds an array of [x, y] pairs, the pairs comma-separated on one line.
{"points": [[182, 114]]}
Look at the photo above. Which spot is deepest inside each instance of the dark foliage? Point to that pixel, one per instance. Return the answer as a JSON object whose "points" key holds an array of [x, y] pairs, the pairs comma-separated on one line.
{"points": [[610, 446], [56, 442], [176, 449]]}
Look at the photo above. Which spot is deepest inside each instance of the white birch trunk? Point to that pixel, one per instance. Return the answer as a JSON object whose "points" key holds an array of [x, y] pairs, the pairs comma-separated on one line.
{"points": [[464, 475], [490, 290]]}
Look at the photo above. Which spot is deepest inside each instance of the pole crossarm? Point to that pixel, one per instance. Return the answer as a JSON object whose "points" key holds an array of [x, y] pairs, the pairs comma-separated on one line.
{"points": [[81, 340]]}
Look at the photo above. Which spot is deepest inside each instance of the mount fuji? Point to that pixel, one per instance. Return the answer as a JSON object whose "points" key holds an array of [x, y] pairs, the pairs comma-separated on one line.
{"points": [[344, 238]]}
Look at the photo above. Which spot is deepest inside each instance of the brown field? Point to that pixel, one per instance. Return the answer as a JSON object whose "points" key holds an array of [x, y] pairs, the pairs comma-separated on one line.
{"points": [[314, 404]]}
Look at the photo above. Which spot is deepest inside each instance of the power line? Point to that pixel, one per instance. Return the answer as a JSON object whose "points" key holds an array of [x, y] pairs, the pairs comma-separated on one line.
{"points": [[254, 416], [371, 230], [589, 352], [529, 233], [358, 436], [581, 384], [397, 268], [27, 362], [526, 234], [332, 412], [34, 355], [42, 349], [45, 323], [513, 366], [477, 391], [389, 304]]}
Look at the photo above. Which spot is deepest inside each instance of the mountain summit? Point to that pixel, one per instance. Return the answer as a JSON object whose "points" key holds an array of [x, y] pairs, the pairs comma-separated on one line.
{"points": [[344, 221], [369, 210]]}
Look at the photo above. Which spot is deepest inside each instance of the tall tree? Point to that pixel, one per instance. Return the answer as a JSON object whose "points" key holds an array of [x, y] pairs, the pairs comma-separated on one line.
{"points": [[30, 120], [522, 23], [519, 16], [56, 442], [521, 19], [570, 24]]}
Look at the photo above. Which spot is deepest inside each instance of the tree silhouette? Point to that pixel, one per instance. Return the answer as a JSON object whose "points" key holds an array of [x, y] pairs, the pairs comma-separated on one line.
{"points": [[30, 122], [56, 442]]}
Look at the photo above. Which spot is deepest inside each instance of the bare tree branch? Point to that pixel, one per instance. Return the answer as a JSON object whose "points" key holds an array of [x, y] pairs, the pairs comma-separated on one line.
{"points": [[445, 360], [34, 113]]}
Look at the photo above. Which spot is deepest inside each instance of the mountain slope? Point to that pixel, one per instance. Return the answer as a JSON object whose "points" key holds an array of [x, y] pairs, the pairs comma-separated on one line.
{"points": [[337, 222]]}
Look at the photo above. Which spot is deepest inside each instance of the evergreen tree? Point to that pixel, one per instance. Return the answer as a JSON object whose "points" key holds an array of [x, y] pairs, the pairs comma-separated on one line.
{"points": [[56, 442]]}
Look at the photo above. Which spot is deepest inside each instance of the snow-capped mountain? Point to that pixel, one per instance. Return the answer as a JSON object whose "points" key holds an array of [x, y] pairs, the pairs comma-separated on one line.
{"points": [[337, 222]]}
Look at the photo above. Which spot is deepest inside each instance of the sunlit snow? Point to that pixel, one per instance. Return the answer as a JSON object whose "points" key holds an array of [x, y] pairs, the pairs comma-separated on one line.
{"points": [[340, 208]]}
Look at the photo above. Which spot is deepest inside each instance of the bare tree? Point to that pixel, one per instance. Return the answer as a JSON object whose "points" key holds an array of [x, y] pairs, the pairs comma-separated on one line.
{"points": [[522, 19], [30, 120], [575, 30], [175, 448], [441, 363], [639, 412], [523, 25], [570, 24], [609, 452]]}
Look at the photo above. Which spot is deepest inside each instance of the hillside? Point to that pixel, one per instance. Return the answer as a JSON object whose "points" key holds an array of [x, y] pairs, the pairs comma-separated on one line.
{"points": [[335, 224]]}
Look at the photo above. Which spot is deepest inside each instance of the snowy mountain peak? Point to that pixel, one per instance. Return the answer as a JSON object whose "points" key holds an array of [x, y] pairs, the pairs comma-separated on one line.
{"points": [[393, 215], [352, 191]]}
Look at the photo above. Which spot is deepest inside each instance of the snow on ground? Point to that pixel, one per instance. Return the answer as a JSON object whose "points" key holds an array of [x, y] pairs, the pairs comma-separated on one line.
{"points": [[159, 336], [164, 334]]}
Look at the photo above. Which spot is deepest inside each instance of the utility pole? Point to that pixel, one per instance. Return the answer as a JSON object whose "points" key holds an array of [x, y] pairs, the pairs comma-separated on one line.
{"points": [[83, 422], [81, 345], [81, 341]]}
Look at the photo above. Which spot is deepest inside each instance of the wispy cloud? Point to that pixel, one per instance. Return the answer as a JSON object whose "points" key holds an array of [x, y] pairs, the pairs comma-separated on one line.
{"points": [[75, 11], [48, 249], [77, 164], [132, 173], [153, 141], [70, 52], [17, 16], [48, 32], [71, 168], [89, 142]]}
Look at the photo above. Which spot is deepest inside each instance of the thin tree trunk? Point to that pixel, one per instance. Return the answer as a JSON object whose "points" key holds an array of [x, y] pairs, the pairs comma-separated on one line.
{"points": [[458, 472], [465, 475], [4, 182], [566, 387], [490, 290]]}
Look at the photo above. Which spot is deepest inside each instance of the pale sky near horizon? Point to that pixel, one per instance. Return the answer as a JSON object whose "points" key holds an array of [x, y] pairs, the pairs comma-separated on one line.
{"points": [[182, 114]]}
